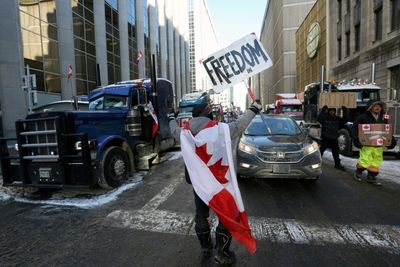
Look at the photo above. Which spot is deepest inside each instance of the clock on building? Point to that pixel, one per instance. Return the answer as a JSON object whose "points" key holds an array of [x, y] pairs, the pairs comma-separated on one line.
{"points": [[313, 38]]}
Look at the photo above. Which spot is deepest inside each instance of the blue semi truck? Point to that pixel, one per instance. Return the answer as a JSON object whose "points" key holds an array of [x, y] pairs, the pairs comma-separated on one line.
{"points": [[101, 146]]}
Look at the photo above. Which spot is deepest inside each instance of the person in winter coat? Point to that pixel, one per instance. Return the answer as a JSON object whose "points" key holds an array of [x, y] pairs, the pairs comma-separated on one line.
{"points": [[331, 124], [370, 157], [202, 115]]}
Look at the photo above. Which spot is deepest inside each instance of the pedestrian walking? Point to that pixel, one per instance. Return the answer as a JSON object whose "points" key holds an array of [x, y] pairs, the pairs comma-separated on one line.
{"points": [[370, 157], [331, 124], [209, 138]]}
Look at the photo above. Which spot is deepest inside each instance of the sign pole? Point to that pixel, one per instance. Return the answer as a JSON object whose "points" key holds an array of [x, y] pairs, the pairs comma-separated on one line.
{"points": [[249, 91], [29, 89]]}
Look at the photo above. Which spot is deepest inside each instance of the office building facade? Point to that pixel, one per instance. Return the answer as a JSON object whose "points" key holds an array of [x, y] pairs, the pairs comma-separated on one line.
{"points": [[366, 32], [75, 46], [281, 21], [202, 42]]}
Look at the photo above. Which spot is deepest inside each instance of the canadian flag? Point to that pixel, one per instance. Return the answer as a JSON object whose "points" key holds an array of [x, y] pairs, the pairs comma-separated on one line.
{"points": [[140, 55], [208, 158], [69, 72], [154, 116]]}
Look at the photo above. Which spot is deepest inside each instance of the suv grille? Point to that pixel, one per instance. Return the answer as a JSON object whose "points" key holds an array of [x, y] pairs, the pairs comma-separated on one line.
{"points": [[277, 156]]}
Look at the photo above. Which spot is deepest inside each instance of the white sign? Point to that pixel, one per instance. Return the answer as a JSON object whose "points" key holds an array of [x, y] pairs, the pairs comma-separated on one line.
{"points": [[32, 80], [237, 62]]}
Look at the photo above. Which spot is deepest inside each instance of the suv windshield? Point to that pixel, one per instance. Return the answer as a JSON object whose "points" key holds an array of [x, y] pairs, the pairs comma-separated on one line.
{"points": [[109, 102], [272, 126]]}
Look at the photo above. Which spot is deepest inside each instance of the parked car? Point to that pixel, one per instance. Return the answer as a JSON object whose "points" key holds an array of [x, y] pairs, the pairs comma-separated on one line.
{"points": [[274, 146]]}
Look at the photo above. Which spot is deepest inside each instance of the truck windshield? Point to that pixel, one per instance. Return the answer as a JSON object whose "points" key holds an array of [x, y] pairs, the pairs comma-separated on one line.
{"points": [[109, 102], [292, 108], [366, 95]]}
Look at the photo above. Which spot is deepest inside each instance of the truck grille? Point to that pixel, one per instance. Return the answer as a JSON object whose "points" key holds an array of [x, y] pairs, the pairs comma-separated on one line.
{"points": [[37, 138], [276, 156]]}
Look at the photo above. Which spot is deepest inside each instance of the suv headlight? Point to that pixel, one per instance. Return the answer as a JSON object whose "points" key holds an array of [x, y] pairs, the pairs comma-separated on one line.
{"points": [[247, 148], [311, 148]]}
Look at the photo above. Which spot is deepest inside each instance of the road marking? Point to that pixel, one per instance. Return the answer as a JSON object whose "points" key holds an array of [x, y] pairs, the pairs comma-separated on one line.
{"points": [[273, 229], [149, 218], [162, 196]]}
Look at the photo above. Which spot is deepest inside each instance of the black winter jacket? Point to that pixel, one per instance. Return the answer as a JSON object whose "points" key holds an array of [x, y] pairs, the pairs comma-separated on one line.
{"points": [[330, 126]]}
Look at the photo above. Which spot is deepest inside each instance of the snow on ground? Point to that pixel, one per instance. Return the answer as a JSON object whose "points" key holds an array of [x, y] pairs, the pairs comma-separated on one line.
{"points": [[89, 201], [389, 169]]}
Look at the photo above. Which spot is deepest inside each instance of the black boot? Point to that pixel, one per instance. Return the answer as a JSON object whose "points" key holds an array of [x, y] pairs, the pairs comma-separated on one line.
{"points": [[358, 174], [338, 165], [223, 241], [205, 242], [371, 178]]}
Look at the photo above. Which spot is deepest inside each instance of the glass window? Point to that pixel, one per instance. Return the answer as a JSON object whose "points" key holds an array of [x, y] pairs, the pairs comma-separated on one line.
{"points": [[395, 15], [39, 36], [77, 8], [79, 29], [111, 78], [357, 38], [108, 14], [96, 104], [80, 64], [89, 16], [89, 4], [29, 23], [32, 46], [91, 68], [81, 87], [395, 82], [90, 49], [109, 102], [378, 23], [53, 83], [272, 126], [79, 44], [115, 19], [39, 78], [89, 32]]}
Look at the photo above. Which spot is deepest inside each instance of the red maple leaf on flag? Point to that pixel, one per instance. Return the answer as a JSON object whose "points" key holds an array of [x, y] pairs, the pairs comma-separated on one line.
{"points": [[217, 169], [201, 151]]}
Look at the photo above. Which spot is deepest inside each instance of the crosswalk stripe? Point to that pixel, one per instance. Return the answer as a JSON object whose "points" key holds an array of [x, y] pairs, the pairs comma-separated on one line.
{"points": [[273, 229]]}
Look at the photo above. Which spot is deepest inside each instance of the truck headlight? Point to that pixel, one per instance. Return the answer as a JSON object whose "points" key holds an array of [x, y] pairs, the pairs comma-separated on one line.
{"points": [[311, 148], [91, 143], [78, 145], [247, 148]]}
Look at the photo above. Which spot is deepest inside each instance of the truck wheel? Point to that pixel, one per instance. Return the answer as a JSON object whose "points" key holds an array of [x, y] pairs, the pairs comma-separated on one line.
{"points": [[344, 142], [113, 167]]}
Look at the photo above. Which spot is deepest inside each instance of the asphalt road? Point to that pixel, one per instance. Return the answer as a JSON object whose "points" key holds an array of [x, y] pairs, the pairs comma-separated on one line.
{"points": [[335, 221]]}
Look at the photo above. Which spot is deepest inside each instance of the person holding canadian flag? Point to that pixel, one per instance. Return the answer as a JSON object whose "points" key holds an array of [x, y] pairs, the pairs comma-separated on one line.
{"points": [[209, 152]]}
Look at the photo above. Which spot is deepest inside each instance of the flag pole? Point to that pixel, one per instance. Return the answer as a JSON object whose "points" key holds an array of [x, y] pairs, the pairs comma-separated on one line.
{"points": [[249, 91]]}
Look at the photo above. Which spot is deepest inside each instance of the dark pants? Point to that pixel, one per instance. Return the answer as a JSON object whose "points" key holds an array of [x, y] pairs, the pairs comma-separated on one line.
{"points": [[201, 218], [333, 145]]}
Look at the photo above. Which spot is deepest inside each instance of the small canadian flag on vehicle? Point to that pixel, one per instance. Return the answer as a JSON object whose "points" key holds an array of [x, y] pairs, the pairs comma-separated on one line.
{"points": [[140, 55], [69, 72]]}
